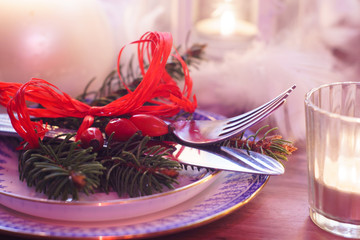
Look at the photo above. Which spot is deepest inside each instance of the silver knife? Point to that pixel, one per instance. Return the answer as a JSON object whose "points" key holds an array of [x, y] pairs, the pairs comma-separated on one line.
{"points": [[219, 158], [228, 159]]}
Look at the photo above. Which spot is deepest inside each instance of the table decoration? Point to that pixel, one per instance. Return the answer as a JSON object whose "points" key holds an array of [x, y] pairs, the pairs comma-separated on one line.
{"points": [[73, 169], [333, 150]]}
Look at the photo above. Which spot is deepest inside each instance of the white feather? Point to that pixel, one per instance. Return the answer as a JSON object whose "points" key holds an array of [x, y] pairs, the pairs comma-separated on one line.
{"points": [[243, 81]]}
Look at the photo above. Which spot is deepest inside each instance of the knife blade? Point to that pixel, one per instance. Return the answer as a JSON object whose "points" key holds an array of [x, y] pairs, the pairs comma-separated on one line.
{"points": [[226, 158], [256, 160]]}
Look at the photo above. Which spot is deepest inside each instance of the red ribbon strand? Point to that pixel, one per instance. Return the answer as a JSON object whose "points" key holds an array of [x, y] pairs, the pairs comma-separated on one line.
{"points": [[157, 87]]}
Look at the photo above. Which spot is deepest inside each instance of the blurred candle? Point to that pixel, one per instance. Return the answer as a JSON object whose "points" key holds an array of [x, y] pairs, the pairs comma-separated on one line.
{"points": [[226, 21], [342, 171], [333, 152], [339, 178], [62, 41], [225, 26]]}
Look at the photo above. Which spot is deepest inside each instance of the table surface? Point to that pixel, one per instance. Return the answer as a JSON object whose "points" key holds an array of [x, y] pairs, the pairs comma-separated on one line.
{"points": [[279, 211]]}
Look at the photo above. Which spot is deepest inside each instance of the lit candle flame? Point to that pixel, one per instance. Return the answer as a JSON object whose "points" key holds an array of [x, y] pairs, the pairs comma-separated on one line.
{"points": [[227, 23]]}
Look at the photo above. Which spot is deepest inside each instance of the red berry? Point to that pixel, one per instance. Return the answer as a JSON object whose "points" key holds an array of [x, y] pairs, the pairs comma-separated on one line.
{"points": [[122, 128], [150, 125], [78, 179], [169, 172], [92, 137]]}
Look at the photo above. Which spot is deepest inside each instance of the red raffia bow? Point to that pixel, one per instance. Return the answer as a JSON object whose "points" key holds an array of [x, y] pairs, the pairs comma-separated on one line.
{"points": [[157, 87]]}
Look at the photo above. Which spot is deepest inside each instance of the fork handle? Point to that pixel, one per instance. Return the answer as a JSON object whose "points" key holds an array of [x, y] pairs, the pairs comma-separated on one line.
{"points": [[6, 128]]}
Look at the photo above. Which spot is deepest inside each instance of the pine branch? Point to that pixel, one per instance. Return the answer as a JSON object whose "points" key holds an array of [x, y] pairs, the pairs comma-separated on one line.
{"points": [[273, 146], [137, 169], [60, 168]]}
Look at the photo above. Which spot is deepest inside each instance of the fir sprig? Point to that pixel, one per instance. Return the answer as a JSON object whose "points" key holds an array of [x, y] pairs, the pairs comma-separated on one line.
{"points": [[272, 145], [60, 168], [137, 169]]}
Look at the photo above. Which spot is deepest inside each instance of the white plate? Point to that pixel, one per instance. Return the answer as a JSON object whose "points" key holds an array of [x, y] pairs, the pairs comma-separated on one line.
{"points": [[16, 195], [208, 199]]}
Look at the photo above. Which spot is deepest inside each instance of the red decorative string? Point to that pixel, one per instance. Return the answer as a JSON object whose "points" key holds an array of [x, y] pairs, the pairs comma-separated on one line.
{"points": [[156, 87], [19, 115]]}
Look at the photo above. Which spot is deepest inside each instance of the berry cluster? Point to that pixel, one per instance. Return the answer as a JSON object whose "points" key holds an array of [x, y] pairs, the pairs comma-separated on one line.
{"points": [[122, 129]]}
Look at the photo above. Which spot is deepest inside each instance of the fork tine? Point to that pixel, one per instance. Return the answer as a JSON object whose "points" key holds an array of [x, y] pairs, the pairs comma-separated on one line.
{"points": [[253, 117], [239, 123], [236, 120], [249, 121], [283, 95]]}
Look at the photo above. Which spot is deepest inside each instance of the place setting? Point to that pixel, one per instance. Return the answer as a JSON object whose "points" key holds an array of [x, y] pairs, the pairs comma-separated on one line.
{"points": [[141, 170], [205, 119]]}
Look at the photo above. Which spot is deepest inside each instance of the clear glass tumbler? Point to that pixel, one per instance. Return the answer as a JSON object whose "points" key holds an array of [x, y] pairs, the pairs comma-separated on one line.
{"points": [[333, 152]]}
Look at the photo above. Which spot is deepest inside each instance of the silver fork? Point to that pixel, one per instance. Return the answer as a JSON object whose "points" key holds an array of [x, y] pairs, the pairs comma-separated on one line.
{"points": [[205, 132]]}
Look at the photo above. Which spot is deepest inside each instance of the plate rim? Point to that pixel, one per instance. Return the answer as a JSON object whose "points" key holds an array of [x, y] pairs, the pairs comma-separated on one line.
{"points": [[198, 223], [204, 221]]}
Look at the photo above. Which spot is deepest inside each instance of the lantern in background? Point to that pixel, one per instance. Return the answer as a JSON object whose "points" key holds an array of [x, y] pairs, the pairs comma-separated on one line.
{"points": [[225, 24], [226, 19]]}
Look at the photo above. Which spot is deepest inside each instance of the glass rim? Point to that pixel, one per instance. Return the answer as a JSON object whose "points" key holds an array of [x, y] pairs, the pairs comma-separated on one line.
{"points": [[310, 104]]}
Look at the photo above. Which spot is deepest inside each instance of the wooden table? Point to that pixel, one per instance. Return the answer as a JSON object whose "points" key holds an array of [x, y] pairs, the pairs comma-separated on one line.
{"points": [[280, 211]]}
